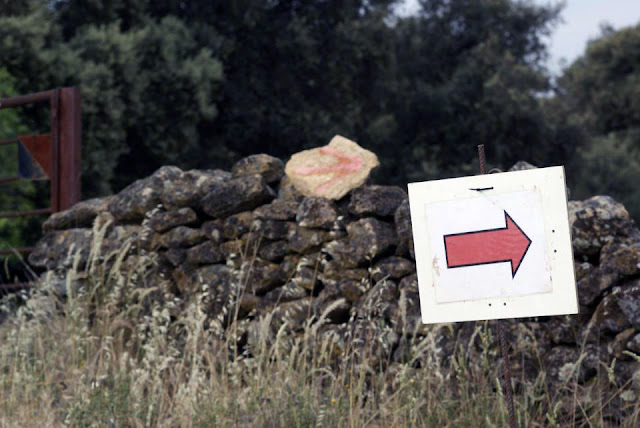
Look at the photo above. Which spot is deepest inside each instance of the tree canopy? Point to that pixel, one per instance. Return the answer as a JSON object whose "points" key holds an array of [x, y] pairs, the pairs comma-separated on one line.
{"points": [[600, 94], [202, 83]]}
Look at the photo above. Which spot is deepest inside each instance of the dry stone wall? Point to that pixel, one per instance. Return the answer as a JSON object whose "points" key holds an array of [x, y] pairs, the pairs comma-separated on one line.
{"points": [[260, 247]]}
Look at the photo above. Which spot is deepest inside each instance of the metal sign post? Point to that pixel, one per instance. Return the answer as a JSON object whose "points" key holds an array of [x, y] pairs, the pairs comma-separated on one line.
{"points": [[494, 246], [504, 346]]}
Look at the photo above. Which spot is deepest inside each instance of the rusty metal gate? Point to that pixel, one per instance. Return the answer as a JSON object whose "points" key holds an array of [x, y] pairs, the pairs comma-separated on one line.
{"points": [[57, 155]]}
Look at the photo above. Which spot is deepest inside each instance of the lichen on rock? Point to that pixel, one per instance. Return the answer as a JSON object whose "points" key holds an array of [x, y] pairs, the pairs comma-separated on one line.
{"points": [[258, 248]]}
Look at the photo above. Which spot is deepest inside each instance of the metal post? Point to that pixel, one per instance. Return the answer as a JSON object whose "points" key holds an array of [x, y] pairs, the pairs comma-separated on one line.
{"points": [[70, 148], [504, 348], [54, 104], [26, 99]]}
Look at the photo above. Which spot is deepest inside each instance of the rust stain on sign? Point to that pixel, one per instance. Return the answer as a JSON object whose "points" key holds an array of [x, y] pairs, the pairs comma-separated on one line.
{"points": [[435, 266]]}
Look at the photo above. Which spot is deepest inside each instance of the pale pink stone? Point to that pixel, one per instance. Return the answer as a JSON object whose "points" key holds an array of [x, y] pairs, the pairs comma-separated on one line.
{"points": [[331, 171]]}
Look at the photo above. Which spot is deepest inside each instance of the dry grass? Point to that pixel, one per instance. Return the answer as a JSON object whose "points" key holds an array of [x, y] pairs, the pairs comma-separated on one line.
{"points": [[116, 353]]}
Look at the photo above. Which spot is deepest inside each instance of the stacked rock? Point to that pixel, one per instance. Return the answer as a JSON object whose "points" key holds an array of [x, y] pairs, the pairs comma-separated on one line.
{"points": [[252, 239], [259, 246]]}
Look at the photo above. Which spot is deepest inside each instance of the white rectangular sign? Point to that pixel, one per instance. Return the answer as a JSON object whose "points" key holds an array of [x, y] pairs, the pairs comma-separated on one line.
{"points": [[493, 246]]}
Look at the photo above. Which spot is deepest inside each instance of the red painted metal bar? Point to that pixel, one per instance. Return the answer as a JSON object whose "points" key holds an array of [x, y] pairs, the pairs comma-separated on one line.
{"points": [[10, 179], [55, 150], [64, 154], [9, 141], [11, 214], [26, 99], [70, 141], [16, 250]]}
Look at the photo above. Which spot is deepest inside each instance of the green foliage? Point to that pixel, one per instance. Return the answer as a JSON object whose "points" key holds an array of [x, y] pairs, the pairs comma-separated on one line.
{"points": [[10, 122], [471, 75], [604, 84], [74, 15], [297, 75], [27, 43], [611, 166], [600, 92], [201, 83], [145, 93], [13, 7]]}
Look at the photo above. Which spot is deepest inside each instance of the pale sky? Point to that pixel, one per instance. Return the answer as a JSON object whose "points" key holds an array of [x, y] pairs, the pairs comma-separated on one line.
{"points": [[582, 20]]}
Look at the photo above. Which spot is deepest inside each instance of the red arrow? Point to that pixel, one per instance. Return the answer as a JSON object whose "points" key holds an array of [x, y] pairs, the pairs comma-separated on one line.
{"points": [[346, 165], [506, 244]]}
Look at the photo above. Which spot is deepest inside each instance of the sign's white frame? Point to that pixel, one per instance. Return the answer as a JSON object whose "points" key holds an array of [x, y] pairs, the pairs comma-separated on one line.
{"points": [[550, 183]]}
